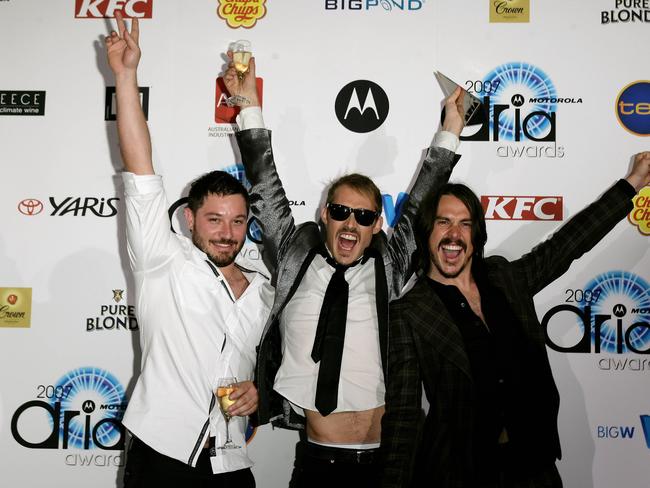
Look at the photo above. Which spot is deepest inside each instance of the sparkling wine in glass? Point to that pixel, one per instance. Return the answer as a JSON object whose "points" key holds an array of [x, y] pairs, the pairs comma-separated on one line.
{"points": [[225, 386], [241, 56]]}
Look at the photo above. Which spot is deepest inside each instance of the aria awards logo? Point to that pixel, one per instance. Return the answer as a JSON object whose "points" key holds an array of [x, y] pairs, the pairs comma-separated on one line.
{"points": [[83, 410]]}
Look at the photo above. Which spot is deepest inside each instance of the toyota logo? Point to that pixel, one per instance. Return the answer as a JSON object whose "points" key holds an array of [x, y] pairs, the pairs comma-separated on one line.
{"points": [[30, 206]]}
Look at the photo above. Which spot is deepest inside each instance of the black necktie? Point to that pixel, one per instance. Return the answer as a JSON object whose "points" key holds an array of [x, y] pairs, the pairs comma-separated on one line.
{"points": [[330, 334]]}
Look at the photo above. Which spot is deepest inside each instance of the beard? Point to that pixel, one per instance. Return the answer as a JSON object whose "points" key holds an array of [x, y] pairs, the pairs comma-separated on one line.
{"points": [[222, 259], [435, 260]]}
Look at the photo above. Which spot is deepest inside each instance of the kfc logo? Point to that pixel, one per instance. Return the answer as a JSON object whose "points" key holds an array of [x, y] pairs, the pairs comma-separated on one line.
{"points": [[101, 9], [522, 208], [223, 114]]}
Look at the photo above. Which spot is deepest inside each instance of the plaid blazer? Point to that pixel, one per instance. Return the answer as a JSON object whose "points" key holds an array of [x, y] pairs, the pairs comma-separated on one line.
{"points": [[426, 348], [289, 249]]}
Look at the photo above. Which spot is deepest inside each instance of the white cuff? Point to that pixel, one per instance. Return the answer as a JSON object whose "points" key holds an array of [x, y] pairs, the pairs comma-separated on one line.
{"points": [[141, 184], [250, 118], [446, 140]]}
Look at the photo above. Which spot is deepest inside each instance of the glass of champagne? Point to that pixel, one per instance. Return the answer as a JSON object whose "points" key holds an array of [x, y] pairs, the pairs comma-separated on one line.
{"points": [[241, 56], [225, 386]]}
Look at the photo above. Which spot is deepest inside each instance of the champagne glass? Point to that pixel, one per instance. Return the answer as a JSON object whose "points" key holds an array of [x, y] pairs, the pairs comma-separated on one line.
{"points": [[225, 386], [241, 56]]}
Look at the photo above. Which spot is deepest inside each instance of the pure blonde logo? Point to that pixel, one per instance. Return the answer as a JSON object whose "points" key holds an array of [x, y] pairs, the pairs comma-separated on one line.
{"points": [[241, 13]]}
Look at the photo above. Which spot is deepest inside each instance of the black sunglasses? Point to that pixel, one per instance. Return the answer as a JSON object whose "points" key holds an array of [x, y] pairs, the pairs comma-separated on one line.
{"points": [[363, 216]]}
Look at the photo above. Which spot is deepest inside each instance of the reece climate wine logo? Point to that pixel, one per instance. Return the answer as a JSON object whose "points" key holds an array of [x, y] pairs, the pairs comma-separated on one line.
{"points": [[241, 13], [22, 102]]}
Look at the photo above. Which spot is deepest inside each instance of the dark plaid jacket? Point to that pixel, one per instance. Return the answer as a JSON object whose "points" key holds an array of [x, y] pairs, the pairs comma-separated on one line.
{"points": [[426, 348], [289, 249]]}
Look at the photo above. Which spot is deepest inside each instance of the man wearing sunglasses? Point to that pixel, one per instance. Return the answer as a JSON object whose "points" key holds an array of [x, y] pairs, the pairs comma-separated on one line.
{"points": [[323, 355]]}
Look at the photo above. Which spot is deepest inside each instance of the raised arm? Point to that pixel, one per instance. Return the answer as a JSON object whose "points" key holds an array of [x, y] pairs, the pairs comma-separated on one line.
{"points": [[550, 259], [435, 172], [149, 239], [269, 202], [123, 57]]}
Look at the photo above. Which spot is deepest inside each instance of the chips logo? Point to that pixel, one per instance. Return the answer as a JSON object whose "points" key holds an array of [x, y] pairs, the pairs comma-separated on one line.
{"points": [[509, 10], [241, 13], [223, 114], [522, 207], [102, 9], [633, 108], [640, 216]]}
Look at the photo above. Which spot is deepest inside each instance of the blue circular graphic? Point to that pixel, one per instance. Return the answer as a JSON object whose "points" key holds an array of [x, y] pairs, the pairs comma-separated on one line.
{"points": [[520, 80], [633, 108], [237, 170], [92, 392], [624, 296]]}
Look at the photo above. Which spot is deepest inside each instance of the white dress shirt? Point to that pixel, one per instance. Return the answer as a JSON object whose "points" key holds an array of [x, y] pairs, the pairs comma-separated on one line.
{"points": [[192, 332], [361, 382]]}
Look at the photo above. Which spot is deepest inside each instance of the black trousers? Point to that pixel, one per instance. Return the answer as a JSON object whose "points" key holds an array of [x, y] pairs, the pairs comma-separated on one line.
{"points": [[146, 468], [508, 471], [325, 467]]}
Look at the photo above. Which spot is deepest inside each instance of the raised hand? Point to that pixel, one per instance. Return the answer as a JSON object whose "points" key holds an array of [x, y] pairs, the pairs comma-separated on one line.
{"points": [[246, 87], [122, 49], [454, 112], [639, 175]]}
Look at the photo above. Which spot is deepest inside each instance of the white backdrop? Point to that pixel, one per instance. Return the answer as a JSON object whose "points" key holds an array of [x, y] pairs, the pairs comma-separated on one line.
{"points": [[63, 241]]}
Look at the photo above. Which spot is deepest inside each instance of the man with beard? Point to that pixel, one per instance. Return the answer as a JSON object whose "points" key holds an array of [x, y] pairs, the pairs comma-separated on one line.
{"points": [[200, 313], [322, 359], [469, 334]]}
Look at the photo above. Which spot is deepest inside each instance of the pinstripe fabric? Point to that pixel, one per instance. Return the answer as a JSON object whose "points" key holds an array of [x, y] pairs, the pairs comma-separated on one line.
{"points": [[426, 349], [289, 249]]}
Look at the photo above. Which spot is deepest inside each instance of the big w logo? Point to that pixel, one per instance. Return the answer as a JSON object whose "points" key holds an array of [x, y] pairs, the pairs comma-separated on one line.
{"points": [[645, 423]]}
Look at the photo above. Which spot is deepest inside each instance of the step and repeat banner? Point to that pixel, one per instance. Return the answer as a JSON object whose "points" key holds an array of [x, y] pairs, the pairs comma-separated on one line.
{"points": [[347, 85]]}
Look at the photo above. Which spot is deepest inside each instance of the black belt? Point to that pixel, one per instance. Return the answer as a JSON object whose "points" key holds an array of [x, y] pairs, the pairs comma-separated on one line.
{"points": [[341, 455]]}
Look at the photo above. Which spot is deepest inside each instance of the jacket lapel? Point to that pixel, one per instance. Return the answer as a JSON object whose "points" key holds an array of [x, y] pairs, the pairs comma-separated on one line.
{"points": [[431, 321]]}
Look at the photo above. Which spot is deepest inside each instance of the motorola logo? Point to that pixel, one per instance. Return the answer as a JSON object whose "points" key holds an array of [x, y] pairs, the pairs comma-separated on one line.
{"points": [[361, 106], [517, 100], [88, 406]]}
